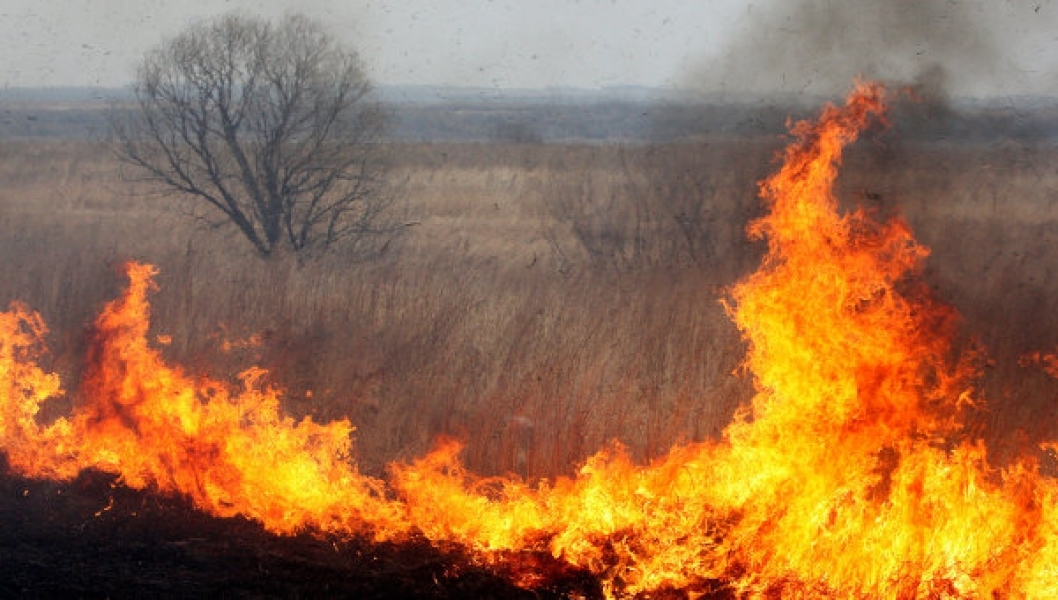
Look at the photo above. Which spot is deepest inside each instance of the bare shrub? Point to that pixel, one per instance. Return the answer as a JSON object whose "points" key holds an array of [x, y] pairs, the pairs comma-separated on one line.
{"points": [[267, 127], [660, 206]]}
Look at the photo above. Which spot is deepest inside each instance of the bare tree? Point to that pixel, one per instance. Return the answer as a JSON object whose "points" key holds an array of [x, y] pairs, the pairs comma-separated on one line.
{"points": [[268, 126]]}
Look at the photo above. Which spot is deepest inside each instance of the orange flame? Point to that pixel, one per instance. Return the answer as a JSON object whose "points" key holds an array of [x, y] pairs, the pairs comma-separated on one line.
{"points": [[848, 475], [230, 451]]}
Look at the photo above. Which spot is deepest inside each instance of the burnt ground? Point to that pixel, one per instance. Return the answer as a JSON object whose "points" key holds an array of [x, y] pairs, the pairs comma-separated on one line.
{"points": [[91, 538]]}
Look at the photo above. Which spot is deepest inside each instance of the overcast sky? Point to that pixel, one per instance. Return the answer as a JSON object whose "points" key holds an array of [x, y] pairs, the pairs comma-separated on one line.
{"points": [[979, 46]]}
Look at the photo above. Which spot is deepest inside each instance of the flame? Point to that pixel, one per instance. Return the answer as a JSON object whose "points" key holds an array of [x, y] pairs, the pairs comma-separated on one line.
{"points": [[849, 474], [230, 451]]}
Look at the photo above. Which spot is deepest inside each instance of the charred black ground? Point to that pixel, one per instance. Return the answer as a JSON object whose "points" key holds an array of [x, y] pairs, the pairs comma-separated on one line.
{"points": [[93, 538]]}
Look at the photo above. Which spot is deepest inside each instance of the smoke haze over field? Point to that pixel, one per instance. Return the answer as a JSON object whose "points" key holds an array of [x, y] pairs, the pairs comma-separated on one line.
{"points": [[485, 43], [977, 47], [973, 47]]}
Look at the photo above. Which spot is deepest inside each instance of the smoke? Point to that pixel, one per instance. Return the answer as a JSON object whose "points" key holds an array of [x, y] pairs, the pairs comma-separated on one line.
{"points": [[817, 47]]}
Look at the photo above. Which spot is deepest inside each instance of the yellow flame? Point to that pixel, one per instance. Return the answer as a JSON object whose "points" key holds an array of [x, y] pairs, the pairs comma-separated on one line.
{"points": [[847, 476], [230, 451]]}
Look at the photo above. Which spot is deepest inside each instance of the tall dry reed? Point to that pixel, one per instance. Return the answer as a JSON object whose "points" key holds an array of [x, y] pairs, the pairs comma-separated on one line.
{"points": [[543, 300]]}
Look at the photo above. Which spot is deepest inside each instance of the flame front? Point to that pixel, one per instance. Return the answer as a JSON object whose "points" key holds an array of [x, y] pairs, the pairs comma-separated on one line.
{"points": [[848, 475], [230, 451]]}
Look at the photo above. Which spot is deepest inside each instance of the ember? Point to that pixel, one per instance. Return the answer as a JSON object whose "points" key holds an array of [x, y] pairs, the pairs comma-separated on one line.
{"points": [[850, 474]]}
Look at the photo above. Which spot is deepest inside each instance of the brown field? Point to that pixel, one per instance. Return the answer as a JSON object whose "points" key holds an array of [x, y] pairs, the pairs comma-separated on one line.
{"points": [[543, 299]]}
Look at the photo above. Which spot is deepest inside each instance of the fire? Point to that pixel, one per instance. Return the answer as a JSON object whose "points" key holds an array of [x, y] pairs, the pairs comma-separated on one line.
{"points": [[230, 451], [849, 474]]}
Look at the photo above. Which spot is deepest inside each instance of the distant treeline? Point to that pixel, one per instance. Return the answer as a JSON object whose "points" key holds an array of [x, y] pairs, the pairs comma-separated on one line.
{"points": [[610, 121], [539, 121]]}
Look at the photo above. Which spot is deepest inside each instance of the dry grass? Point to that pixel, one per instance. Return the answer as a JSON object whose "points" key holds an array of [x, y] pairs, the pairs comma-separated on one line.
{"points": [[547, 300]]}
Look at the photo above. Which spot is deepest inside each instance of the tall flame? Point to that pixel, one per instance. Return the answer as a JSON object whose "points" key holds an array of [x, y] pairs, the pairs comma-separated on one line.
{"points": [[848, 475], [230, 451]]}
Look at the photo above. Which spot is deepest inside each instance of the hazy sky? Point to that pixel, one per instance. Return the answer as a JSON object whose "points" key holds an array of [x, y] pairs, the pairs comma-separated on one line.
{"points": [[980, 46]]}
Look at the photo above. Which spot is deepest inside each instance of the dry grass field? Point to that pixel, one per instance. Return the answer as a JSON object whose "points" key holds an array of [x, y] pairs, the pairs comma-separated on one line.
{"points": [[543, 299]]}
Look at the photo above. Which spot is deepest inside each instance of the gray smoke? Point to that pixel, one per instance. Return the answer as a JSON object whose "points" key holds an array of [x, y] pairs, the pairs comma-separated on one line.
{"points": [[817, 47]]}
